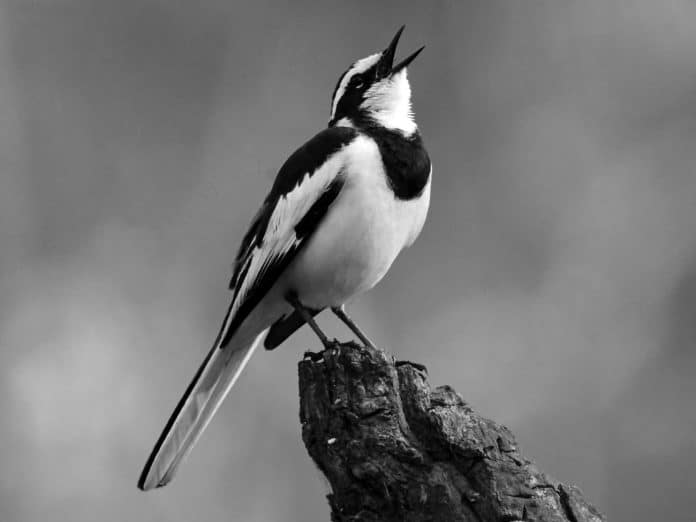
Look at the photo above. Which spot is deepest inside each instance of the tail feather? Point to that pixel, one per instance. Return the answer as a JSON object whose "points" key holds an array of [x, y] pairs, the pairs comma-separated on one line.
{"points": [[205, 393]]}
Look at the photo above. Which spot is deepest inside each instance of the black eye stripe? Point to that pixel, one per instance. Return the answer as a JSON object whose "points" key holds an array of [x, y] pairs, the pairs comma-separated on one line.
{"points": [[359, 81], [353, 91]]}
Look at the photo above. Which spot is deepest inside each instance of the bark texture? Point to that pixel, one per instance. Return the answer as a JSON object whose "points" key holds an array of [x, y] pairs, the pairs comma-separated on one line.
{"points": [[393, 449]]}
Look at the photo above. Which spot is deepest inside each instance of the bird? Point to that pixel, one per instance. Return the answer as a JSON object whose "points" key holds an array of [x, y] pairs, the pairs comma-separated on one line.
{"points": [[342, 207]]}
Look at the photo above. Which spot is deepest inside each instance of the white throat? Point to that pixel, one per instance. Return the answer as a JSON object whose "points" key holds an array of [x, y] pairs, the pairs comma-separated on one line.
{"points": [[389, 103]]}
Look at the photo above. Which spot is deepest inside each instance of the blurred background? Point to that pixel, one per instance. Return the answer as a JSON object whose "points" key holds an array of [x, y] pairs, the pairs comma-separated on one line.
{"points": [[554, 285]]}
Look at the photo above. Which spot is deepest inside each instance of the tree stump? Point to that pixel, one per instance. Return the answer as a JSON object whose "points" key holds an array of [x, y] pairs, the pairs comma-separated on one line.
{"points": [[393, 449]]}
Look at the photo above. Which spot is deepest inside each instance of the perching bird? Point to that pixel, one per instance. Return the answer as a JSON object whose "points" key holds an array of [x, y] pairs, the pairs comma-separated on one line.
{"points": [[340, 210]]}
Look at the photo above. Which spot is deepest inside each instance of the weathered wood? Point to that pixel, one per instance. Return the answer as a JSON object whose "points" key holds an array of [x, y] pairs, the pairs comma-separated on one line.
{"points": [[395, 450]]}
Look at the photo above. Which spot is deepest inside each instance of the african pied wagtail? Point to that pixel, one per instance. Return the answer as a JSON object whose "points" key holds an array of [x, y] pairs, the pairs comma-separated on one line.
{"points": [[340, 210]]}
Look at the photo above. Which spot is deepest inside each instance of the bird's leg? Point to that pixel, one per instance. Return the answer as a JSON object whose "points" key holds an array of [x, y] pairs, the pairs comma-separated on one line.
{"points": [[291, 297], [340, 312]]}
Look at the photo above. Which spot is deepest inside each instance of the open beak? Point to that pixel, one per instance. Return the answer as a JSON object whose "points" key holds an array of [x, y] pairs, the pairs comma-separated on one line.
{"points": [[386, 62]]}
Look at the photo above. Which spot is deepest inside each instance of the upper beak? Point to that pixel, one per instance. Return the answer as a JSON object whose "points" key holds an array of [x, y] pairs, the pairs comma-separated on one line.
{"points": [[386, 63]]}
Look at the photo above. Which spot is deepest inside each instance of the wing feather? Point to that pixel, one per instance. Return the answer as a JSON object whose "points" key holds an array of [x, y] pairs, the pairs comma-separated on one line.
{"points": [[301, 195]]}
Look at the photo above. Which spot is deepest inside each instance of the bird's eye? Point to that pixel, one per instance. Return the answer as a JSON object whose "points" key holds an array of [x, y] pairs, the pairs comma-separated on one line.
{"points": [[359, 81]]}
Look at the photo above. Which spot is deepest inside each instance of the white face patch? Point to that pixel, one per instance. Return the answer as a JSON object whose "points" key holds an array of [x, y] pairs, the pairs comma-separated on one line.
{"points": [[389, 103], [358, 67]]}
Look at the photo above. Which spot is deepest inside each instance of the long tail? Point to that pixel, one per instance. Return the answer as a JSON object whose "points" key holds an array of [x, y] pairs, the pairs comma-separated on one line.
{"points": [[205, 393]]}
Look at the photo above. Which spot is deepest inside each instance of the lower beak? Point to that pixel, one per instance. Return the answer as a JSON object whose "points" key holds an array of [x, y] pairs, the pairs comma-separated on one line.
{"points": [[404, 63]]}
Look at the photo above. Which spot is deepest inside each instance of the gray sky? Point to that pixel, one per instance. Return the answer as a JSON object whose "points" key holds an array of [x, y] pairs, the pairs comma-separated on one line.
{"points": [[553, 284]]}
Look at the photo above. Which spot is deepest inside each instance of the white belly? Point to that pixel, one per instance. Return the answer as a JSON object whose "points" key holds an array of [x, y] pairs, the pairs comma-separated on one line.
{"points": [[358, 240]]}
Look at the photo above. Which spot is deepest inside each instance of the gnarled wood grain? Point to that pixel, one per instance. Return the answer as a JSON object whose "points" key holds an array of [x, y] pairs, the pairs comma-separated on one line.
{"points": [[393, 449]]}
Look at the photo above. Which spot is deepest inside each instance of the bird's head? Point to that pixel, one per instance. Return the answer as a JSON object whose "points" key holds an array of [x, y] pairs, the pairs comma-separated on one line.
{"points": [[374, 91]]}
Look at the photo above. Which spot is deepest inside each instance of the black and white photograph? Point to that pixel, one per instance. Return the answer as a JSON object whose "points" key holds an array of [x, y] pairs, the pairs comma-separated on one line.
{"points": [[347, 261]]}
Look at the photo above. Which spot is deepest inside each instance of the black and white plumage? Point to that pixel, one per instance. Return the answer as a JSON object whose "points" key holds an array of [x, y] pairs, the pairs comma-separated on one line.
{"points": [[340, 210]]}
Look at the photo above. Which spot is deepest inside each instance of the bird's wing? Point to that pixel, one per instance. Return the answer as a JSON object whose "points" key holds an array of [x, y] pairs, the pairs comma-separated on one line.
{"points": [[303, 191], [306, 185]]}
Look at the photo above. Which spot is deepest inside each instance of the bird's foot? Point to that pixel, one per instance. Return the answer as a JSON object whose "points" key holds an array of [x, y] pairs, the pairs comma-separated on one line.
{"points": [[331, 343], [369, 348], [417, 366], [328, 345]]}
